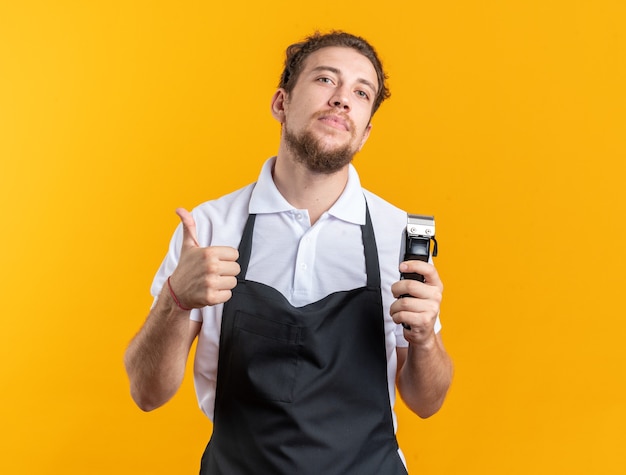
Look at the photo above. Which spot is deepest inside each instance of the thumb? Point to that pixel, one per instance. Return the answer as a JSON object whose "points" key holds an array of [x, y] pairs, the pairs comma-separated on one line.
{"points": [[190, 239]]}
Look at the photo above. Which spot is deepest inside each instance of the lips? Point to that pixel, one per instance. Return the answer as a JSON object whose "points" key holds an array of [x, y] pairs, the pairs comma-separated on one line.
{"points": [[335, 121]]}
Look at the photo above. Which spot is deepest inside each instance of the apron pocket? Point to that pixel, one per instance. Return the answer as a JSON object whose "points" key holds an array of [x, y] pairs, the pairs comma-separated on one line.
{"points": [[264, 360]]}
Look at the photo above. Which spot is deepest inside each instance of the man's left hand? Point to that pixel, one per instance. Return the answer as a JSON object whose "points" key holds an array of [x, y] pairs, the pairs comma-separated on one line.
{"points": [[417, 304]]}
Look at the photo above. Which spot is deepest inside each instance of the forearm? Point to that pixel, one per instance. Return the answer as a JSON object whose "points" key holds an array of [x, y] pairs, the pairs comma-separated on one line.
{"points": [[156, 358], [425, 376]]}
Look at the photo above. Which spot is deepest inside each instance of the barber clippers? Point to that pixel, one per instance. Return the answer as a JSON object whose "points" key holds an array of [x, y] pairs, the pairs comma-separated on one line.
{"points": [[420, 231]]}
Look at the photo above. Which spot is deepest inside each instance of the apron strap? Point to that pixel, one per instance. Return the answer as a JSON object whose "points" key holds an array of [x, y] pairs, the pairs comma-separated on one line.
{"points": [[245, 246], [371, 251]]}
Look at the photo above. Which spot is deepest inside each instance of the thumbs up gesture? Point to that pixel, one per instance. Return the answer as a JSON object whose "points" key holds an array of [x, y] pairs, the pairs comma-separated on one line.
{"points": [[204, 275]]}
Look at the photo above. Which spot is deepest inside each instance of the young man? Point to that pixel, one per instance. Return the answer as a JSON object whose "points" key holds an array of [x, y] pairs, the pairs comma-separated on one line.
{"points": [[291, 286]]}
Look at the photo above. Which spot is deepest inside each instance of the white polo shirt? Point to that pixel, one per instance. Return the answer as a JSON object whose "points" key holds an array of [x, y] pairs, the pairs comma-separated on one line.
{"points": [[303, 262]]}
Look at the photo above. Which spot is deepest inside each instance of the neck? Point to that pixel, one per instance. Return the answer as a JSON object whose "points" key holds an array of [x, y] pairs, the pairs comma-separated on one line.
{"points": [[303, 189]]}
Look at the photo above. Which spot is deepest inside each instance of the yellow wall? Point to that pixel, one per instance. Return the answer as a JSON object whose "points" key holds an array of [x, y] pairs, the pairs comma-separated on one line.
{"points": [[507, 122]]}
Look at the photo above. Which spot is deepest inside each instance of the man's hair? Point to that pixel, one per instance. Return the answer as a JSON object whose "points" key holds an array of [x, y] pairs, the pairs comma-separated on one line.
{"points": [[298, 52]]}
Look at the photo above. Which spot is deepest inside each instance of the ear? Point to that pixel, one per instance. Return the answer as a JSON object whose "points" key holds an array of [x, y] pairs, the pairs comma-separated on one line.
{"points": [[278, 105], [366, 134]]}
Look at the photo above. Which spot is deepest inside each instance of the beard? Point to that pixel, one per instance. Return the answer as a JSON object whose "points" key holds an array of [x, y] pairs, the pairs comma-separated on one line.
{"points": [[310, 151]]}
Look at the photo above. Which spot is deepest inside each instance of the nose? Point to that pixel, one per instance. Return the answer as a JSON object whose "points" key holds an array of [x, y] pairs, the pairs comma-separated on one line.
{"points": [[340, 99]]}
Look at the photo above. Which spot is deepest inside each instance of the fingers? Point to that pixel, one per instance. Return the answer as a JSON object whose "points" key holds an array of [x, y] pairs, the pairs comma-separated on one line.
{"points": [[204, 275], [401, 308], [218, 274], [430, 288], [222, 260], [418, 313], [221, 276], [190, 237]]}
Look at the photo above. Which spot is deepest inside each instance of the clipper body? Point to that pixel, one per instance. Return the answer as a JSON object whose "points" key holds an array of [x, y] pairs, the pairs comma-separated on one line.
{"points": [[420, 231]]}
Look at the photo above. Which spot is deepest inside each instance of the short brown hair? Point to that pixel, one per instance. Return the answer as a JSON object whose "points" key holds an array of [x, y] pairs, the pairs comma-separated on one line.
{"points": [[298, 52]]}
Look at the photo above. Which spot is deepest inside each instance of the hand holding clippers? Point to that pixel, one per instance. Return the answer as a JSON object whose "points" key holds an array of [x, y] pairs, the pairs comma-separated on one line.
{"points": [[420, 230]]}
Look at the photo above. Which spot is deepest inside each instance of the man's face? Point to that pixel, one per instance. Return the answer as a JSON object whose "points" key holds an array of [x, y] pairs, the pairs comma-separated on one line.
{"points": [[327, 114]]}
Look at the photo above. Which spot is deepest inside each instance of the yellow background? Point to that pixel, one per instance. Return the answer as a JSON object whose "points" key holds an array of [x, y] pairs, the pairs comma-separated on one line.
{"points": [[507, 122]]}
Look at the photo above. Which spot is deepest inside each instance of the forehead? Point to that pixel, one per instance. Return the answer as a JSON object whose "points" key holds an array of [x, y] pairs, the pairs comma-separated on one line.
{"points": [[348, 61]]}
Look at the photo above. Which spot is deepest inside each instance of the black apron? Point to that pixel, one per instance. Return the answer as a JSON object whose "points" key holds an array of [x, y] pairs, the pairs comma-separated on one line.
{"points": [[303, 390]]}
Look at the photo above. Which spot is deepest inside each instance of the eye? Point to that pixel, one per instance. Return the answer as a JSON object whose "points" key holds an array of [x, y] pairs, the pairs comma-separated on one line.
{"points": [[362, 94], [325, 80]]}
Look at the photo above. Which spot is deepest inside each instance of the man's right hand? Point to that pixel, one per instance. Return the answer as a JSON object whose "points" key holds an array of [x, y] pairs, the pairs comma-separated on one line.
{"points": [[204, 275]]}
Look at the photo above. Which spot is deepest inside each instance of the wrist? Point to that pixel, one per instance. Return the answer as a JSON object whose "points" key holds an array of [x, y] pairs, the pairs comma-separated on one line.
{"points": [[175, 298], [423, 343]]}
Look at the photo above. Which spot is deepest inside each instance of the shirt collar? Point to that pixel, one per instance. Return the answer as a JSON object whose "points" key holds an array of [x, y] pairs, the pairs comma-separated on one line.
{"points": [[350, 206], [267, 199]]}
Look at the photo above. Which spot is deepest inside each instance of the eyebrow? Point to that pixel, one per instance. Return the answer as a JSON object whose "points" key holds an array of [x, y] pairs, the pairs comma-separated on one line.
{"points": [[338, 73]]}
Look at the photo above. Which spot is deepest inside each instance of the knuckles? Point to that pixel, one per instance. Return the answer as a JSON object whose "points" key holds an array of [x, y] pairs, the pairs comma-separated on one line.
{"points": [[209, 274], [215, 297], [429, 306]]}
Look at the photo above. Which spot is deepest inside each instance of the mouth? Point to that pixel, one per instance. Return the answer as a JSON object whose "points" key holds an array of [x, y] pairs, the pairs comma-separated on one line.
{"points": [[335, 121]]}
